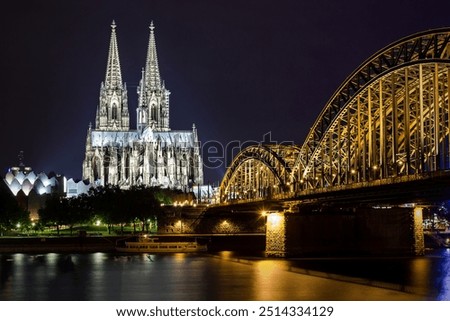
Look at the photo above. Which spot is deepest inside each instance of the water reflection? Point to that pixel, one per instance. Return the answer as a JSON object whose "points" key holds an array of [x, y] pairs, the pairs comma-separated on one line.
{"points": [[227, 276], [444, 286]]}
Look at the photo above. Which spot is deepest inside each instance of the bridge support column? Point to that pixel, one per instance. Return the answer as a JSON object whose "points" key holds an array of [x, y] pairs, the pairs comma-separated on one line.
{"points": [[417, 222], [276, 235]]}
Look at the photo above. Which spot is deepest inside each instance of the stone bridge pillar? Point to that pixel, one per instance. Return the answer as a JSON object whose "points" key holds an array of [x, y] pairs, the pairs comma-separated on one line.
{"points": [[417, 222], [276, 238]]}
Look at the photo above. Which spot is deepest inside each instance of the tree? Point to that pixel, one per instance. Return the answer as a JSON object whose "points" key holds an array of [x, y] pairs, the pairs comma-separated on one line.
{"points": [[11, 213], [109, 204], [143, 204], [54, 212], [79, 211]]}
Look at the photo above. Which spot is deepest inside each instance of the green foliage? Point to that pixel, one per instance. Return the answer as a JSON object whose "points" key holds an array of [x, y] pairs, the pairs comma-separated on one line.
{"points": [[10, 212], [115, 206]]}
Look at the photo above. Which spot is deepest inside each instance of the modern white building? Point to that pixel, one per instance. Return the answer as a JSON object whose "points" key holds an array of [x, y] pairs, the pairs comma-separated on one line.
{"points": [[21, 179], [152, 154], [31, 189]]}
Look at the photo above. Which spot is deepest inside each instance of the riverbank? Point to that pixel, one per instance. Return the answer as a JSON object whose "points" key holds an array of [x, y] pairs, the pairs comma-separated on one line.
{"points": [[97, 243], [57, 244]]}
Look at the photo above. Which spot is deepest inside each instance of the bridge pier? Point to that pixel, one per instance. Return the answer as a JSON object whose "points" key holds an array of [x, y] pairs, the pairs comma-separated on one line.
{"points": [[418, 237], [276, 235], [345, 231]]}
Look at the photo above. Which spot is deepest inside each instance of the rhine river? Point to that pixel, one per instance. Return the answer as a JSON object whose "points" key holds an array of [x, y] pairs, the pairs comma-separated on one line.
{"points": [[221, 276]]}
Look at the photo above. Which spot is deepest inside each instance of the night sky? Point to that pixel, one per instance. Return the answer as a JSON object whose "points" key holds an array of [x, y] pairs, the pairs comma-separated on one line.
{"points": [[237, 69]]}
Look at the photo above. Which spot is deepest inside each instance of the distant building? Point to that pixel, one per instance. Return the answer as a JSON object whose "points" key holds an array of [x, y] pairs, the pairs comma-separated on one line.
{"points": [[152, 154], [31, 189], [25, 180]]}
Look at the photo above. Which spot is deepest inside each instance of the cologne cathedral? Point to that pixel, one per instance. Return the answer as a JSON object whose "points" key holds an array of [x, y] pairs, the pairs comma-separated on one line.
{"points": [[152, 154]]}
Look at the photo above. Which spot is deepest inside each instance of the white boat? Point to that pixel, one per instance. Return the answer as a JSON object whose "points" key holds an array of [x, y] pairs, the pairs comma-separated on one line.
{"points": [[146, 244]]}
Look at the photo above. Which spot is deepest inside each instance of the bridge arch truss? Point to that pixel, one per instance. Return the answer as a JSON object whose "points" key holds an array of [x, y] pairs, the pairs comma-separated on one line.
{"points": [[258, 172], [389, 120]]}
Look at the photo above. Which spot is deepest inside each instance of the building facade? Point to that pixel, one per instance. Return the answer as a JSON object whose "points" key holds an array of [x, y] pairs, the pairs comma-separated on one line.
{"points": [[152, 154]]}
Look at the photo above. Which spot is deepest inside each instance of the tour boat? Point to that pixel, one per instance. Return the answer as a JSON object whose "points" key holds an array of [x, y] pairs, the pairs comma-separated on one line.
{"points": [[146, 244]]}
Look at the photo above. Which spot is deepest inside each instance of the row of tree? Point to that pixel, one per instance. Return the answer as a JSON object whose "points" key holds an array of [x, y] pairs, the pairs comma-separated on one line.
{"points": [[110, 205]]}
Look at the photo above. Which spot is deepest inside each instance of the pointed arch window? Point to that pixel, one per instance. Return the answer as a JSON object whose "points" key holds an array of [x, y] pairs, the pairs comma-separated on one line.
{"points": [[153, 112], [96, 169], [143, 116], [114, 112]]}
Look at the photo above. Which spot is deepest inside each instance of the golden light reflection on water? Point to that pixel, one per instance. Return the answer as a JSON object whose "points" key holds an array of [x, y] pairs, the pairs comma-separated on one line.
{"points": [[278, 280], [179, 257], [226, 254], [267, 283], [420, 269]]}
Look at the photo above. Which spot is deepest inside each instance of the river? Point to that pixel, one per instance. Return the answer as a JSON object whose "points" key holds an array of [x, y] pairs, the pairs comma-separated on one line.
{"points": [[221, 276]]}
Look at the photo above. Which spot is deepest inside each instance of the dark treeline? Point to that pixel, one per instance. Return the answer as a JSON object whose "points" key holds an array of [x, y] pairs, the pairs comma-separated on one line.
{"points": [[110, 205]]}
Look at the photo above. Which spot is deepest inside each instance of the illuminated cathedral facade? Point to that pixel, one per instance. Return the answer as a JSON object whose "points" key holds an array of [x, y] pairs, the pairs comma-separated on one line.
{"points": [[152, 154]]}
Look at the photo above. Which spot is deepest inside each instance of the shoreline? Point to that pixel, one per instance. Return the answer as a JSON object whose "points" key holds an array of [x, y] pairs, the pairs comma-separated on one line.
{"points": [[55, 244], [107, 244], [89, 244]]}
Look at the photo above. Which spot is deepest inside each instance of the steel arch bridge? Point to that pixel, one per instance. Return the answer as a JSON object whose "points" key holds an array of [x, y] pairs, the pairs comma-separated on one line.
{"points": [[389, 121]]}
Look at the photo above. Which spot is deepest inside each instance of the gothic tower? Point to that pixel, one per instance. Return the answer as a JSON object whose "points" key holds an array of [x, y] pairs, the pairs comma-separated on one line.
{"points": [[153, 102], [112, 111]]}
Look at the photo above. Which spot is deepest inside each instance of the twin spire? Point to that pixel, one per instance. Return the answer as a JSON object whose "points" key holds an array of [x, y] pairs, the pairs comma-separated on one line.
{"points": [[113, 77], [153, 97]]}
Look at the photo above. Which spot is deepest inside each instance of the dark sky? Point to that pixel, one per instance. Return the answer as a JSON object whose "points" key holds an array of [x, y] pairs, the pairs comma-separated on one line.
{"points": [[238, 69]]}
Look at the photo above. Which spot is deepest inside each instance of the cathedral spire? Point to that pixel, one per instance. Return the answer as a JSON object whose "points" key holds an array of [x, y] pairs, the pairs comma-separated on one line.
{"points": [[153, 108], [152, 78], [113, 77], [112, 111]]}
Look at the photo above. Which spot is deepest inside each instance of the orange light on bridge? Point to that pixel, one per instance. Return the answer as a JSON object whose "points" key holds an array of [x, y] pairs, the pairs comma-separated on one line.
{"points": [[274, 219]]}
